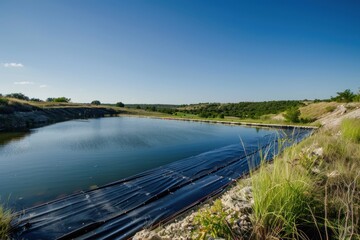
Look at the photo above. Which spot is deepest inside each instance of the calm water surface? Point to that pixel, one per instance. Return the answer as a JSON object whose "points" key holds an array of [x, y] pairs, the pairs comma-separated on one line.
{"points": [[72, 156]]}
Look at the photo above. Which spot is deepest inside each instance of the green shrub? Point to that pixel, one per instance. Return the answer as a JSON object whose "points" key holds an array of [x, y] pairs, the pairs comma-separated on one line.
{"points": [[351, 129], [18, 96], [357, 98], [62, 99], [96, 102], [213, 221], [292, 115], [330, 108], [59, 99], [307, 120], [120, 104], [345, 96], [3, 101]]}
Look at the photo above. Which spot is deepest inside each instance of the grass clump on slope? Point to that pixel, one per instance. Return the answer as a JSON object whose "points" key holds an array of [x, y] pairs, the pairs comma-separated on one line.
{"points": [[5, 218], [312, 190], [283, 199], [351, 129]]}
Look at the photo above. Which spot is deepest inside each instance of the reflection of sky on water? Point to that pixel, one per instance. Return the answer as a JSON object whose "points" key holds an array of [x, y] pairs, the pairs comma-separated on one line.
{"points": [[74, 155]]}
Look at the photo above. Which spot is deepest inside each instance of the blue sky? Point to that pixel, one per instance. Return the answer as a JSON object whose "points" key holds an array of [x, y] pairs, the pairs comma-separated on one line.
{"points": [[179, 51]]}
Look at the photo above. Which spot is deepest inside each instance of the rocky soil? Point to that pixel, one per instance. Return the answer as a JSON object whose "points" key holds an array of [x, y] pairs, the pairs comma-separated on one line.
{"points": [[237, 203], [37, 117], [334, 118]]}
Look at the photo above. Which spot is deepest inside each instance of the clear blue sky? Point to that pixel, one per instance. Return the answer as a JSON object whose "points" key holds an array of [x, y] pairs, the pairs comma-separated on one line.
{"points": [[179, 51]]}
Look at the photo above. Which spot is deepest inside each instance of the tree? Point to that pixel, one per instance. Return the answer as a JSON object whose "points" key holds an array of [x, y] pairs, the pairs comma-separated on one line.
{"points": [[96, 102], [18, 96], [357, 97], [59, 99], [345, 96], [62, 99], [292, 115], [120, 104]]}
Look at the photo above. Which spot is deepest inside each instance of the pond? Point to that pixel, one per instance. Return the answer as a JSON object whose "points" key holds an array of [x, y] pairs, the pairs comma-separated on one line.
{"points": [[60, 159]]}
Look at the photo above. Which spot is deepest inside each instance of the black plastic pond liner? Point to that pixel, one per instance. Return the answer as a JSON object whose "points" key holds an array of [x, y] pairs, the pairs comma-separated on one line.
{"points": [[120, 209]]}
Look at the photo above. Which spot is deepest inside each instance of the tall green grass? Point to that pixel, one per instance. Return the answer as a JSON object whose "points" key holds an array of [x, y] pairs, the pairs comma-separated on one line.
{"points": [[342, 181], [351, 129], [310, 191], [5, 218], [303, 195], [283, 200]]}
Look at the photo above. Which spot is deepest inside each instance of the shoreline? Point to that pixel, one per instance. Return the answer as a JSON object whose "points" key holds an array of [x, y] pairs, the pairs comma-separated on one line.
{"points": [[248, 124], [20, 121], [23, 121]]}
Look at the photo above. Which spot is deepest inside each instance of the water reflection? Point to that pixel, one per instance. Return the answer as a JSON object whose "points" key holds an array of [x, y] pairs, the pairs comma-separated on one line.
{"points": [[66, 157], [6, 138]]}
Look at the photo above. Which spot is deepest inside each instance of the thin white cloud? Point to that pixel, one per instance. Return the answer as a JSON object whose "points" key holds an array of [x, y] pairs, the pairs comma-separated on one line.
{"points": [[13, 65], [43, 86], [23, 83]]}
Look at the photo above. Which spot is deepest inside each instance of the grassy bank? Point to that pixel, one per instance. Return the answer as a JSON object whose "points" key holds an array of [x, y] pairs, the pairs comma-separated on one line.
{"points": [[309, 112], [311, 191]]}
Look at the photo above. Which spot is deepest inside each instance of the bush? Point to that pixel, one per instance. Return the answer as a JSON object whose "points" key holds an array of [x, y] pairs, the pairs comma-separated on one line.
{"points": [[3, 101], [292, 115], [59, 99], [330, 108], [120, 104], [351, 129], [345, 96], [96, 102], [307, 120], [357, 98], [213, 221], [62, 99], [18, 96]]}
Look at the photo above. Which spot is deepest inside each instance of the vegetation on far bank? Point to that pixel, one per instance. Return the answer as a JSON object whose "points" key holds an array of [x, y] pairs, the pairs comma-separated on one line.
{"points": [[273, 112]]}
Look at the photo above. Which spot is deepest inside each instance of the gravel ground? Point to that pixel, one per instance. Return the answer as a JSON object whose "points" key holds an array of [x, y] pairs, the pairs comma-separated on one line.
{"points": [[237, 202]]}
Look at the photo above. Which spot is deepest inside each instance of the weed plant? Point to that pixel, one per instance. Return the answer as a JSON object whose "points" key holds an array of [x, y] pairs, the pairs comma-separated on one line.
{"points": [[214, 221]]}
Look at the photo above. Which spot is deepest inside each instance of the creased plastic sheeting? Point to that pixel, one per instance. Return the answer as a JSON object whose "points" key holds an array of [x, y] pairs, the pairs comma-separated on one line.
{"points": [[120, 209]]}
